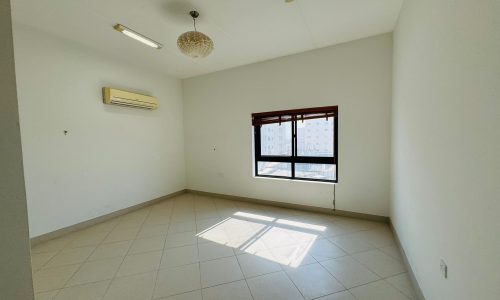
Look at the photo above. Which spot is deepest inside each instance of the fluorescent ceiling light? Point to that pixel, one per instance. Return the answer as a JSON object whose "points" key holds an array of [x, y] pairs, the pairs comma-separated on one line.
{"points": [[137, 36]]}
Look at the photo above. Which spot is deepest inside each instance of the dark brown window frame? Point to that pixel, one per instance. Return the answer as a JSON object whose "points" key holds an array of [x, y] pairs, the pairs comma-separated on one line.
{"points": [[295, 115]]}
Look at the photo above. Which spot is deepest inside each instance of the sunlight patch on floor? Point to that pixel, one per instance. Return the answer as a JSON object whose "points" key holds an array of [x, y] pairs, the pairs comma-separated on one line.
{"points": [[284, 241]]}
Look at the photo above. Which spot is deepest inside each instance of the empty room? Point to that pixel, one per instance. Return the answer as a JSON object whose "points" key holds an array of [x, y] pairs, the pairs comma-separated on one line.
{"points": [[250, 150]]}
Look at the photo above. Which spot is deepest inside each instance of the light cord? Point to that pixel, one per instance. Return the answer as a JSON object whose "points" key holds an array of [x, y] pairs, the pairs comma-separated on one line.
{"points": [[334, 204]]}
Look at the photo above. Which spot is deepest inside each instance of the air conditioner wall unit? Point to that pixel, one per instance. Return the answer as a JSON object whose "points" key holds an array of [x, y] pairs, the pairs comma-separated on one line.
{"points": [[124, 98]]}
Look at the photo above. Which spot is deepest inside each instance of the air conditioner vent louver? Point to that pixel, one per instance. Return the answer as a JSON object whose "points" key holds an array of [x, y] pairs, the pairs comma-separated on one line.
{"points": [[124, 98]]}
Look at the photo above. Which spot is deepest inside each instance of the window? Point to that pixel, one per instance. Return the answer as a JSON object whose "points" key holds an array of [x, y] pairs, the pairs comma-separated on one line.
{"points": [[297, 144]]}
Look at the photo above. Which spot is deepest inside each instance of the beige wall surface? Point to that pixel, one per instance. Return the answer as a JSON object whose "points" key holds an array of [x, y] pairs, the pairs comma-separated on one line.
{"points": [[112, 157], [446, 145], [15, 261], [356, 76]]}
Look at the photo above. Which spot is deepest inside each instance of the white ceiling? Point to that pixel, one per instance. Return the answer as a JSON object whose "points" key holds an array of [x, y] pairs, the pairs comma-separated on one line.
{"points": [[244, 31]]}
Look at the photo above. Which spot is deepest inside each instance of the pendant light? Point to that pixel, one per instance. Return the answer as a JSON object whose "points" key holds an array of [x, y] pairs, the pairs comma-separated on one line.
{"points": [[194, 43]]}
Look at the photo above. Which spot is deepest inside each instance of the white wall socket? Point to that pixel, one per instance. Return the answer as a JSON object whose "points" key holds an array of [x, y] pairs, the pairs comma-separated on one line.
{"points": [[444, 269]]}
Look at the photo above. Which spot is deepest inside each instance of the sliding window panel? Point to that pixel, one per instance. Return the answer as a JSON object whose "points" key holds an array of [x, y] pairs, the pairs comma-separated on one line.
{"points": [[269, 168], [315, 137], [316, 171], [276, 139]]}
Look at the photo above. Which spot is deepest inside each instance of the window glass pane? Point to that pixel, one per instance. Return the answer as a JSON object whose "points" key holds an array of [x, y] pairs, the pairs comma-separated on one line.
{"points": [[274, 168], [315, 171], [315, 137], [276, 139]]}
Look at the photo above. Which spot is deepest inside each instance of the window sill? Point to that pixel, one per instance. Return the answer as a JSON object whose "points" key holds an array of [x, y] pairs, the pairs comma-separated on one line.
{"points": [[294, 180]]}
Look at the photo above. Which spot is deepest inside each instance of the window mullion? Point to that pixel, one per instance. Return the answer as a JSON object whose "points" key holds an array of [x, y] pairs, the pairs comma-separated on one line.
{"points": [[294, 145]]}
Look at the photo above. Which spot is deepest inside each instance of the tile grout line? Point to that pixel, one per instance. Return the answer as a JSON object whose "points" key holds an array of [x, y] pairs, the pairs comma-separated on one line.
{"points": [[78, 269], [343, 291], [288, 276], [198, 251], [244, 277], [163, 251], [123, 259]]}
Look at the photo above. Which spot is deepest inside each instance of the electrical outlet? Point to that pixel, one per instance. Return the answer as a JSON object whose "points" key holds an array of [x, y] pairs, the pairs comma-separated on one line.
{"points": [[444, 269]]}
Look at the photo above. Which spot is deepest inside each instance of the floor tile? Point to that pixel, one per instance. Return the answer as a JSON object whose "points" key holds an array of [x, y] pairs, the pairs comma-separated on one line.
{"points": [[293, 256], [216, 235], [40, 259], [277, 237], [194, 295], [97, 270], [211, 250], [179, 256], [140, 263], [177, 227], [332, 229], [207, 214], [174, 248], [177, 280], [129, 224], [378, 290], [207, 224], [152, 230], [182, 217], [52, 245], [105, 226], [357, 225], [70, 256], [248, 246], [181, 239], [403, 283], [46, 295], [379, 237], [324, 249], [87, 238], [351, 243], [53, 278], [380, 263], [257, 264], [222, 270], [346, 295], [313, 281], [89, 291], [118, 235], [274, 286], [110, 250], [133, 287], [147, 244], [157, 219], [349, 272], [392, 251], [303, 236], [231, 291]]}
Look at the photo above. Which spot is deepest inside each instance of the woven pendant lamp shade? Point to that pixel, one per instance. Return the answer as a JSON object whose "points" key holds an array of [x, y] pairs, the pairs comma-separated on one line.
{"points": [[195, 44]]}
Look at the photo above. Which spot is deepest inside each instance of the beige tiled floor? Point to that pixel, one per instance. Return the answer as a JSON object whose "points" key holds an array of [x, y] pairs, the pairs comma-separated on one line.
{"points": [[200, 248]]}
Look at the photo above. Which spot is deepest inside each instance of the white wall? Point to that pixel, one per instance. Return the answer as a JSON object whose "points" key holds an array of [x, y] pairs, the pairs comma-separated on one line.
{"points": [[113, 157], [356, 76], [446, 145], [15, 261]]}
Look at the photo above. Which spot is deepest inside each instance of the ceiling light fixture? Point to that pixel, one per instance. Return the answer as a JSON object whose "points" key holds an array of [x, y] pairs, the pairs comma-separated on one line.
{"points": [[137, 36], [195, 43]]}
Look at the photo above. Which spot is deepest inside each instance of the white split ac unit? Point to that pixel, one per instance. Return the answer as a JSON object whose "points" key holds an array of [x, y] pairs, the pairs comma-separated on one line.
{"points": [[124, 98]]}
